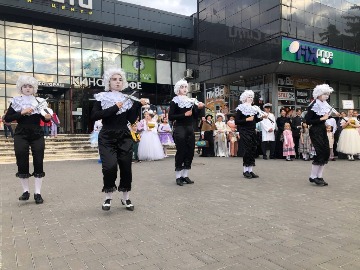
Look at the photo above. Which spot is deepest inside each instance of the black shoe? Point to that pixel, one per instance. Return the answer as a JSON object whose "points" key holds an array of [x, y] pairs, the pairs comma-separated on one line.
{"points": [[319, 181], [323, 182], [312, 180], [38, 199], [179, 181], [187, 180], [253, 175], [128, 205], [247, 175], [106, 205], [265, 157], [25, 196], [272, 157]]}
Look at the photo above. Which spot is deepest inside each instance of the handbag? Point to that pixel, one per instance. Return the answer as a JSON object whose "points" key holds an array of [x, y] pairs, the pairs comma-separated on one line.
{"points": [[202, 143]]}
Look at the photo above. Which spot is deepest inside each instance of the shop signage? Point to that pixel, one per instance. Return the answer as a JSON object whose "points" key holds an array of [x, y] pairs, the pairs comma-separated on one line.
{"points": [[286, 96], [216, 93], [318, 55], [54, 84], [98, 82], [302, 97], [309, 53], [82, 6]]}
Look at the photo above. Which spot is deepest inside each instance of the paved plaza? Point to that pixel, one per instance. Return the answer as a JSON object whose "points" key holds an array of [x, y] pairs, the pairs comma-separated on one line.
{"points": [[223, 221]]}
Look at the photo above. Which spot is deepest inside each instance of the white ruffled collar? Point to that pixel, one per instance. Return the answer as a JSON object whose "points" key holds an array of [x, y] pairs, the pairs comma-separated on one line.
{"points": [[246, 109], [321, 107], [23, 102], [183, 101], [109, 99]]}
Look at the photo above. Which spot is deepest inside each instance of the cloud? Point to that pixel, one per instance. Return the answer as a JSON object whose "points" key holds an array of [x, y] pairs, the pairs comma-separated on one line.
{"points": [[185, 7]]}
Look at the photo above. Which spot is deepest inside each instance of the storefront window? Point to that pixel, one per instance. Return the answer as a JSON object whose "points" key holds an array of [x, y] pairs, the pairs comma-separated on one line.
{"points": [[11, 77], [63, 61], [75, 42], [19, 56], [75, 62], [18, 33], [92, 63], [45, 78], [2, 90], [111, 47], [2, 76], [11, 91], [163, 72], [178, 70], [64, 79], [44, 37], [2, 54], [111, 60], [1, 31], [45, 58], [63, 40], [92, 44]]}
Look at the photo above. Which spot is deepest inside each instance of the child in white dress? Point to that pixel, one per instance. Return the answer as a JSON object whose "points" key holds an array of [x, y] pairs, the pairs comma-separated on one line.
{"points": [[150, 147]]}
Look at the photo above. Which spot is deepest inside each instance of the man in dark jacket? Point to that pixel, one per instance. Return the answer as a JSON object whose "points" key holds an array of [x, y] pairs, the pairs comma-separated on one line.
{"points": [[295, 128]]}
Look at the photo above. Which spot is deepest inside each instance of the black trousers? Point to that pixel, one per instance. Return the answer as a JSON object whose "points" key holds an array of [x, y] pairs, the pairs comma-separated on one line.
{"points": [[320, 141], [115, 148], [296, 142], [185, 145], [24, 139], [250, 146], [272, 148]]}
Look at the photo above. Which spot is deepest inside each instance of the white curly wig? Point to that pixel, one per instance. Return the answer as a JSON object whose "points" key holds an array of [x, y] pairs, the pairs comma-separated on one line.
{"points": [[24, 79], [112, 71], [246, 94], [178, 84], [321, 90]]}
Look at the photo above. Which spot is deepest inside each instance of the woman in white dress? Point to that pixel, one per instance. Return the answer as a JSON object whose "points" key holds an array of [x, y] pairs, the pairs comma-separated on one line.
{"points": [[150, 147], [220, 140]]}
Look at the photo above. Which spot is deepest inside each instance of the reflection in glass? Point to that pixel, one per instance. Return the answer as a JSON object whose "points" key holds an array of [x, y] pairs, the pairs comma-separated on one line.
{"points": [[163, 72], [1, 31], [11, 90], [2, 93], [63, 61], [64, 79], [19, 55], [45, 78], [91, 44], [111, 60], [3, 105], [11, 77], [18, 33], [92, 63], [111, 47], [44, 37], [75, 42], [45, 58], [178, 71], [63, 40], [2, 54], [2, 76], [75, 62]]}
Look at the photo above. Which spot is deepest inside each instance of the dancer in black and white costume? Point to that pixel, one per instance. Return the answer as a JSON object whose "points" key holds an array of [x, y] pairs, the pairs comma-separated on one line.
{"points": [[318, 112], [246, 119], [115, 141], [183, 110], [27, 110]]}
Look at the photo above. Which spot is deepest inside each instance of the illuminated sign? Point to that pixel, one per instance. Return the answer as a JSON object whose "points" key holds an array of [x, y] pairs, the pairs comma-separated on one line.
{"points": [[98, 82], [81, 6], [310, 53]]}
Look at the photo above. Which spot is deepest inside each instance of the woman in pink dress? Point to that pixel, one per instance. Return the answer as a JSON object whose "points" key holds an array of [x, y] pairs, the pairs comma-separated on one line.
{"points": [[288, 143]]}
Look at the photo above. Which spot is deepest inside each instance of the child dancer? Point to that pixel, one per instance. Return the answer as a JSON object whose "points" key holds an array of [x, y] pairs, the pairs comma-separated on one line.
{"points": [[318, 112], [165, 136], [27, 110], [305, 142], [136, 139], [233, 136], [150, 147], [330, 136], [288, 144], [115, 142]]}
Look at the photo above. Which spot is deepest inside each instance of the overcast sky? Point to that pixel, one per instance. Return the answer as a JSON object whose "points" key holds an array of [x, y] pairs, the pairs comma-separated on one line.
{"points": [[185, 7]]}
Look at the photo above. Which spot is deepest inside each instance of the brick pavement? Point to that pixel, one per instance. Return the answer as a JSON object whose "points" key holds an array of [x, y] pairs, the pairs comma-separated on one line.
{"points": [[223, 221]]}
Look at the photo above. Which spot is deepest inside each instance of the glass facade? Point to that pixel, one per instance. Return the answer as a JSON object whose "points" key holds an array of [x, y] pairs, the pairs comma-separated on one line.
{"points": [[330, 22], [70, 65]]}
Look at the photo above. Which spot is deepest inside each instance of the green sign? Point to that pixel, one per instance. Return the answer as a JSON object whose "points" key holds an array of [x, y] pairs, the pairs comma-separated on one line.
{"points": [[132, 65], [317, 55]]}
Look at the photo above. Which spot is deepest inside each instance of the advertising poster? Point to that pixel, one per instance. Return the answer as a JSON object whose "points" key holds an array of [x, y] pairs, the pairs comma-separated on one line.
{"points": [[132, 65]]}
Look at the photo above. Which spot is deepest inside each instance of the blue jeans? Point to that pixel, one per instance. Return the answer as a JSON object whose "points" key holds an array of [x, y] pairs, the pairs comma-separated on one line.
{"points": [[46, 131]]}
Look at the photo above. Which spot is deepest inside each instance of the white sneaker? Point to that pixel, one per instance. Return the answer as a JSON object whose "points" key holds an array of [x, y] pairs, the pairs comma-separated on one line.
{"points": [[106, 205]]}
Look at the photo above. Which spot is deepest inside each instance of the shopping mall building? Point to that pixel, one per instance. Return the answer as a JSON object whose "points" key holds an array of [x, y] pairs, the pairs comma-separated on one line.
{"points": [[66, 45], [279, 48]]}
